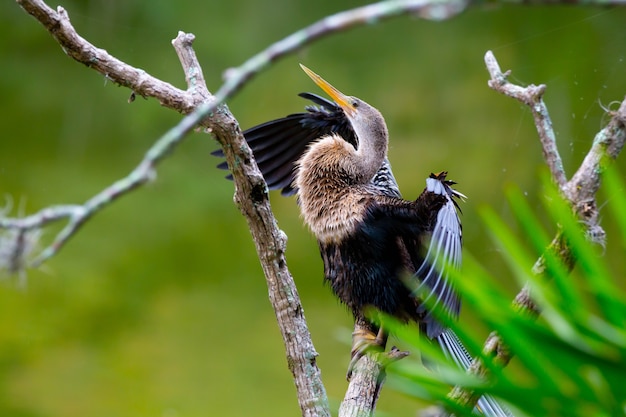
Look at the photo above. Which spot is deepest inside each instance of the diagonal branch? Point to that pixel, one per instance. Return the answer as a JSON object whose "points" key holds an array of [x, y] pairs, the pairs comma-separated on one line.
{"points": [[76, 47]]}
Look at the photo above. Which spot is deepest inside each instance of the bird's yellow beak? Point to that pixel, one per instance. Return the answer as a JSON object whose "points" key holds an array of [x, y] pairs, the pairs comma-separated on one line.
{"points": [[340, 98]]}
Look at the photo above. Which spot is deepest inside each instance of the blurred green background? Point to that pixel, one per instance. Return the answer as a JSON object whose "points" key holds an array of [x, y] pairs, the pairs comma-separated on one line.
{"points": [[159, 307]]}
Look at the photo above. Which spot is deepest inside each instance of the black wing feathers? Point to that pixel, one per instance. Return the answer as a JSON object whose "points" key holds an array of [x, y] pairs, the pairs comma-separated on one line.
{"points": [[278, 144]]}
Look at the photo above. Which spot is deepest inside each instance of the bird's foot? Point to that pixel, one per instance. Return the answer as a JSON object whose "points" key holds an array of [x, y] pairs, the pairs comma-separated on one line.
{"points": [[364, 341]]}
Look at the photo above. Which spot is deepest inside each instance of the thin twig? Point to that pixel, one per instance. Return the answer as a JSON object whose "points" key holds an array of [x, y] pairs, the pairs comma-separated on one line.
{"points": [[79, 214], [532, 96], [372, 13]]}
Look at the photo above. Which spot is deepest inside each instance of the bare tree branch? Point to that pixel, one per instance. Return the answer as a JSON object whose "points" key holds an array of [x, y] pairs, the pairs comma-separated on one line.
{"points": [[580, 192], [364, 388], [532, 96], [366, 383], [76, 47]]}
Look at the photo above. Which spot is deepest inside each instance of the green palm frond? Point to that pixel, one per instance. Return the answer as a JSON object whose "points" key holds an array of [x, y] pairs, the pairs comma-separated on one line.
{"points": [[571, 361]]}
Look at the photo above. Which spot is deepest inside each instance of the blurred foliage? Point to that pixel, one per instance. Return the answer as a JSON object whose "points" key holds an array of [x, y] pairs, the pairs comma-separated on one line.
{"points": [[572, 358], [159, 307]]}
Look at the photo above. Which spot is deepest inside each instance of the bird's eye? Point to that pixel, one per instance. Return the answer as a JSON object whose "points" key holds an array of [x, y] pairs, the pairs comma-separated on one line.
{"points": [[355, 103]]}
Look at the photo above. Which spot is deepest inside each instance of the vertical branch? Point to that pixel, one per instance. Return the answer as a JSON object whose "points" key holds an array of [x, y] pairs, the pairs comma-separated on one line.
{"points": [[364, 388], [252, 199], [366, 383]]}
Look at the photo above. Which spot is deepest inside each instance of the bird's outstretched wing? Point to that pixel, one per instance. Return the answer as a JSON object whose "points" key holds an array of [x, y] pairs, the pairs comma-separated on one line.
{"points": [[278, 144], [413, 245], [443, 253]]}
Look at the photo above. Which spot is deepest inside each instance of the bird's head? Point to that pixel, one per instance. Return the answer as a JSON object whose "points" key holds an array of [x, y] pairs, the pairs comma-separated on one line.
{"points": [[365, 119]]}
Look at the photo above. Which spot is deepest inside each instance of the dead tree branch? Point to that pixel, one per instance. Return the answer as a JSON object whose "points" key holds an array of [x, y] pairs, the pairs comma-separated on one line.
{"points": [[580, 191]]}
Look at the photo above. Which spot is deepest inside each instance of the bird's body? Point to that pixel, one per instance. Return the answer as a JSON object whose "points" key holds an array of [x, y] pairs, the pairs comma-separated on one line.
{"points": [[373, 244], [379, 250], [367, 240]]}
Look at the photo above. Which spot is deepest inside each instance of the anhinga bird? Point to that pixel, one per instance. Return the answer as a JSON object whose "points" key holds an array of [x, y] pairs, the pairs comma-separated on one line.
{"points": [[379, 250]]}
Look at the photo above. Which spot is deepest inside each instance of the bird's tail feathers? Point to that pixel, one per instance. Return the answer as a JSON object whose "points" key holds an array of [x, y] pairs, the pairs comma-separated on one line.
{"points": [[454, 349]]}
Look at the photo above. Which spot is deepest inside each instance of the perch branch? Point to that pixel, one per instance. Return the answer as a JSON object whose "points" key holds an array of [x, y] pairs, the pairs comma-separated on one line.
{"points": [[580, 191], [366, 382]]}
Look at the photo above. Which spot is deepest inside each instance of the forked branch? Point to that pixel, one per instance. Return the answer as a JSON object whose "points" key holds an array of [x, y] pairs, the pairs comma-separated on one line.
{"points": [[580, 191]]}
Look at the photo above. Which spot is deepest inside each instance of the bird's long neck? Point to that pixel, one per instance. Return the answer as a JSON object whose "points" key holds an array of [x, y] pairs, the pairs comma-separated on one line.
{"points": [[331, 174], [372, 148]]}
